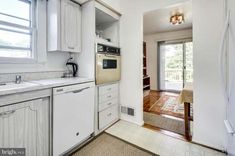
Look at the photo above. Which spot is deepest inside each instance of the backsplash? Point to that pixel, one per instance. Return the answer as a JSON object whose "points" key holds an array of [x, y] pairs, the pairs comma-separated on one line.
{"points": [[10, 77]]}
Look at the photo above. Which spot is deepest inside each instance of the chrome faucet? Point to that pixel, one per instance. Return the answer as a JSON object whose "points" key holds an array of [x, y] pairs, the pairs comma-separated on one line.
{"points": [[18, 79]]}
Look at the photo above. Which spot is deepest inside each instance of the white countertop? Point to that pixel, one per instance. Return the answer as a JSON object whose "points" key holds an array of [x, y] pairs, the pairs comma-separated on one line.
{"points": [[11, 88]]}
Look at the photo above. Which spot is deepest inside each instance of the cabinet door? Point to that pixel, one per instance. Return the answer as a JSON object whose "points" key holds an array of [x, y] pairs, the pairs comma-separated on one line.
{"points": [[70, 26], [26, 125], [73, 119]]}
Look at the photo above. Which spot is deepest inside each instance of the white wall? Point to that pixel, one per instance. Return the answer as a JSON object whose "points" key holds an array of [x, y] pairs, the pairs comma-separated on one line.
{"points": [[209, 106], [131, 42], [152, 50], [55, 62]]}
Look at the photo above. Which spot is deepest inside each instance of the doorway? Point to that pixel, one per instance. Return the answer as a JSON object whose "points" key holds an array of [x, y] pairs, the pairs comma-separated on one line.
{"points": [[167, 66], [175, 67]]}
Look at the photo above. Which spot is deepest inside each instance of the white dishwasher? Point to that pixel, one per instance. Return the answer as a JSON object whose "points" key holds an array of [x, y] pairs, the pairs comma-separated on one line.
{"points": [[73, 116]]}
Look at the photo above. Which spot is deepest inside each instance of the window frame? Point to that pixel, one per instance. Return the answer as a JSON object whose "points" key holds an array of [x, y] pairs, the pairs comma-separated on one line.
{"points": [[170, 42], [33, 40]]}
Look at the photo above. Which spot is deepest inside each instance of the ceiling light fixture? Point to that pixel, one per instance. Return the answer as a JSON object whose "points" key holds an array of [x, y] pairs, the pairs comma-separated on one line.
{"points": [[177, 19]]}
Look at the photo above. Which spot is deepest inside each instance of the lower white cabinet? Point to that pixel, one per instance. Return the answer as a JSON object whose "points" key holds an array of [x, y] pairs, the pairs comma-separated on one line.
{"points": [[107, 116], [108, 96], [108, 89], [26, 125], [108, 105]]}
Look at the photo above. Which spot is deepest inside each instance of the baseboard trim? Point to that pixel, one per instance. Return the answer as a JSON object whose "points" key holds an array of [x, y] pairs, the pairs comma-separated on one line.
{"points": [[218, 150], [136, 123], [153, 90], [141, 123]]}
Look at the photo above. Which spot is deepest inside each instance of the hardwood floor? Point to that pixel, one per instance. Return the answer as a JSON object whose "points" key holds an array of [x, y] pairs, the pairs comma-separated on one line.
{"points": [[152, 98], [166, 122]]}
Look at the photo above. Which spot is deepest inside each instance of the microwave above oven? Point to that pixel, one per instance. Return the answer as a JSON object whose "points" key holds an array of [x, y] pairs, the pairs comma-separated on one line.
{"points": [[101, 48]]}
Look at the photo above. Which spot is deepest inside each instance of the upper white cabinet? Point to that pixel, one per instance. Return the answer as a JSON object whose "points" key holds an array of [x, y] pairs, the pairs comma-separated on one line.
{"points": [[64, 26]]}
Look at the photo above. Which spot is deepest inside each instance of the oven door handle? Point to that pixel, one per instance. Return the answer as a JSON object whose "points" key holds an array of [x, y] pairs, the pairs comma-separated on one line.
{"points": [[111, 56]]}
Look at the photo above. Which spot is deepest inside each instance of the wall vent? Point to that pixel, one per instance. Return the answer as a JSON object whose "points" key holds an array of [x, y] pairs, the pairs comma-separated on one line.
{"points": [[128, 110]]}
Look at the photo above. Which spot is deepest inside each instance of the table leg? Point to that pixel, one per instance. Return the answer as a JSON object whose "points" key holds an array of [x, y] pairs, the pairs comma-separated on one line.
{"points": [[187, 120]]}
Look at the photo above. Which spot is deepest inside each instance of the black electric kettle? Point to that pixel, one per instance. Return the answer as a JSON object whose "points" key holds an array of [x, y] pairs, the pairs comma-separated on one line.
{"points": [[73, 65]]}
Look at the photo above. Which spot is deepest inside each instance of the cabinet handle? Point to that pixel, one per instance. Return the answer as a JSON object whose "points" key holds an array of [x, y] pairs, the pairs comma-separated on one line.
{"points": [[80, 90], [60, 90], [109, 103], [70, 47], [77, 134], [7, 114], [109, 96], [109, 114]]}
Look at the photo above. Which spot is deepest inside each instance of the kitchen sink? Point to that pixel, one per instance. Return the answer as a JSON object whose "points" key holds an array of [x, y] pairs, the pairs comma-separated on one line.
{"points": [[12, 85], [51, 81]]}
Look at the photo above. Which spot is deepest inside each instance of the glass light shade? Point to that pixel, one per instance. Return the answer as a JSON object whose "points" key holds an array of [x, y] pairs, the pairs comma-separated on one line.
{"points": [[177, 19]]}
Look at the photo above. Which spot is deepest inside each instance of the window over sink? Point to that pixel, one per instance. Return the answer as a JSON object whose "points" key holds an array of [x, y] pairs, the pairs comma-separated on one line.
{"points": [[19, 28]]}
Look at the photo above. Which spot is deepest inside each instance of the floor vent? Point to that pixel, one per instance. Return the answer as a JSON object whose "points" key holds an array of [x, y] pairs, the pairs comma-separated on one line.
{"points": [[128, 110]]}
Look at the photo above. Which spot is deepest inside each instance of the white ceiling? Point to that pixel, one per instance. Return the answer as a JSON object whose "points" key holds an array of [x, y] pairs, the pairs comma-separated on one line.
{"points": [[159, 20]]}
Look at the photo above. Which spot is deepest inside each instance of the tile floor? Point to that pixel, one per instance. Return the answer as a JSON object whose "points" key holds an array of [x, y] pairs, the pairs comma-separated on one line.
{"points": [[158, 143]]}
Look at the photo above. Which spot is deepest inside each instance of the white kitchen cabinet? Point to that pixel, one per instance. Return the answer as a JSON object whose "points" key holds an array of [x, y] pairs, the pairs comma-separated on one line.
{"points": [[73, 116], [108, 116], [108, 96], [108, 105], [108, 88], [26, 125], [64, 26]]}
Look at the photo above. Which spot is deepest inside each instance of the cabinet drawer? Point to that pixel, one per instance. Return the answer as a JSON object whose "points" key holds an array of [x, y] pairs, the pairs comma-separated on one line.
{"points": [[107, 104], [108, 96], [107, 89], [107, 116]]}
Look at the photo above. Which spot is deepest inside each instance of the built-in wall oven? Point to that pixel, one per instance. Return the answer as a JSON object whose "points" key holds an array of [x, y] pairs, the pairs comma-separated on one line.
{"points": [[108, 64]]}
